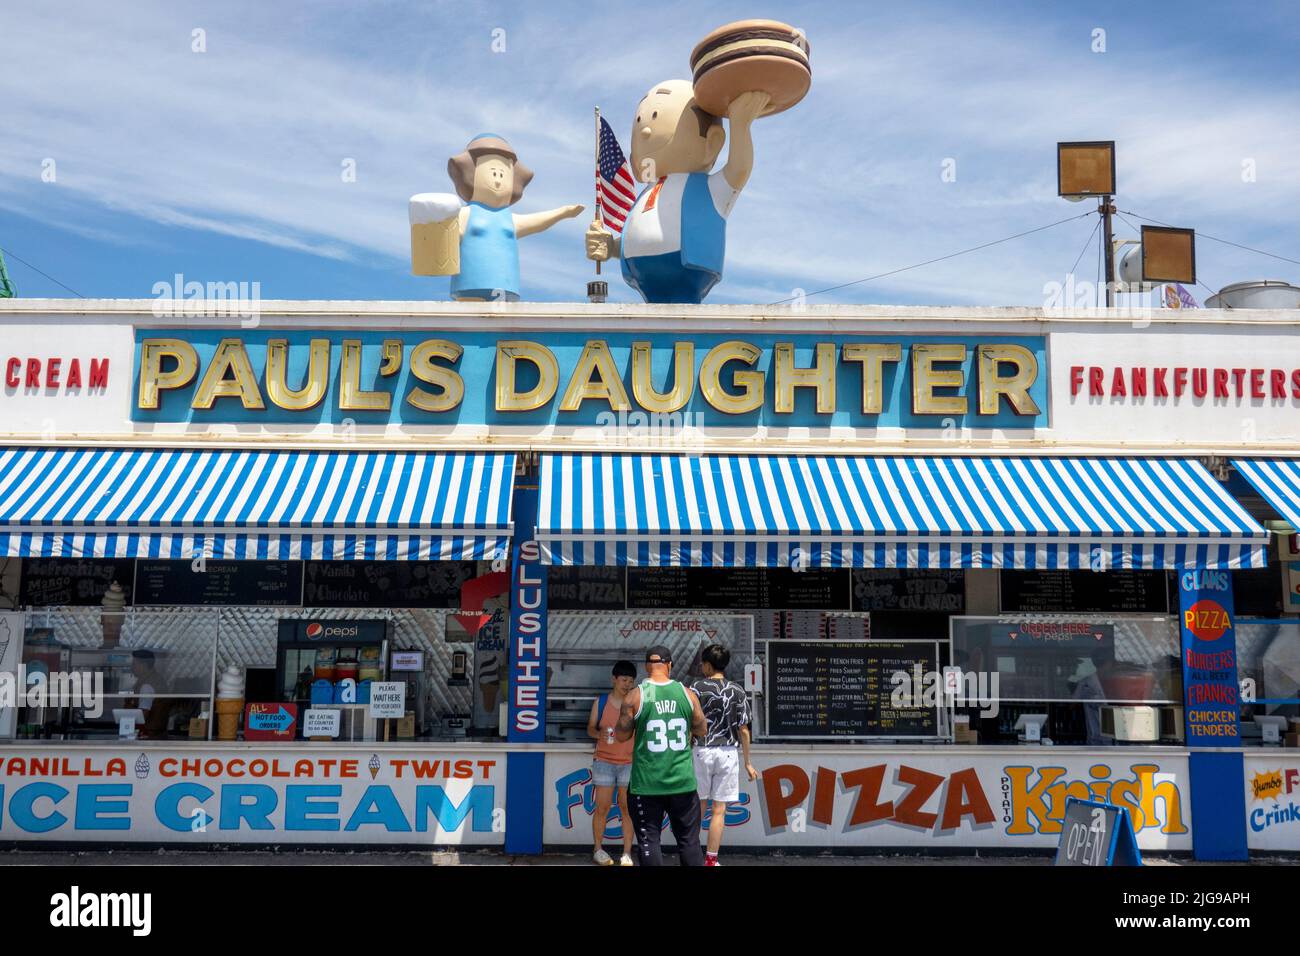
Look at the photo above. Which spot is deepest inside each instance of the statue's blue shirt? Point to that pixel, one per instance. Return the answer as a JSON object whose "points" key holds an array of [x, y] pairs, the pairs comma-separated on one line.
{"points": [[489, 256]]}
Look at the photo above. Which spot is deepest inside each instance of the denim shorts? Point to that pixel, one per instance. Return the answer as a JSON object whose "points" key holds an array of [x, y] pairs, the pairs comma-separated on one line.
{"points": [[606, 774]]}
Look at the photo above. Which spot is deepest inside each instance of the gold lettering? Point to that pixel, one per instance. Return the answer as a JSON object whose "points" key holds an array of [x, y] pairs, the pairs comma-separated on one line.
{"points": [[232, 357], [1027, 801], [683, 378], [447, 379], [820, 377], [926, 378], [390, 357], [608, 384], [749, 383], [314, 387], [511, 353], [1014, 386], [351, 395], [873, 357], [1166, 791], [152, 376]]}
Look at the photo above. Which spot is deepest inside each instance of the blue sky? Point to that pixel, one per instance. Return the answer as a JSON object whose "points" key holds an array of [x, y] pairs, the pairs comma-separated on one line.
{"points": [[226, 165]]}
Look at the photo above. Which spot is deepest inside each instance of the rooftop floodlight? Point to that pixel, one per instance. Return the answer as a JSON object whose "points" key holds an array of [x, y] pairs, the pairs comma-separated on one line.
{"points": [[1085, 169], [1168, 254]]}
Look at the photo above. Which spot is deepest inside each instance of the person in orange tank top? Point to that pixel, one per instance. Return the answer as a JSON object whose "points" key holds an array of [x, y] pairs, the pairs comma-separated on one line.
{"points": [[612, 767]]}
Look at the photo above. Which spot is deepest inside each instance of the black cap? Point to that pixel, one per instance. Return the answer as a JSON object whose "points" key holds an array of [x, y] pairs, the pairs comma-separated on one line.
{"points": [[664, 654]]}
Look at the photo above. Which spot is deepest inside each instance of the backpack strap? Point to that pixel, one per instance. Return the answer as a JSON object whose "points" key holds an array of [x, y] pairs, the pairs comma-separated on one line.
{"points": [[601, 701]]}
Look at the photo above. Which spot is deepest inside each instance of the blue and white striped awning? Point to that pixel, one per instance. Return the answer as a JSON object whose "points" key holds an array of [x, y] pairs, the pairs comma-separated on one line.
{"points": [[1278, 482], [272, 505], [866, 512]]}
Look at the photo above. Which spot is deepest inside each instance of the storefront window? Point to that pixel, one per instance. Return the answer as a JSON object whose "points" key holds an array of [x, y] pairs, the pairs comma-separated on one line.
{"points": [[582, 648], [1268, 665], [1093, 679], [86, 671]]}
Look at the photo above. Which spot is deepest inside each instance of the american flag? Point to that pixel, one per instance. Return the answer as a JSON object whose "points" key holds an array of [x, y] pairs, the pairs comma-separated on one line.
{"points": [[617, 190]]}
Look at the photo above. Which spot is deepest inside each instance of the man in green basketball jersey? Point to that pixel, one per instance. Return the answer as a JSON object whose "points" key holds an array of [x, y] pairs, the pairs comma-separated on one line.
{"points": [[664, 716]]}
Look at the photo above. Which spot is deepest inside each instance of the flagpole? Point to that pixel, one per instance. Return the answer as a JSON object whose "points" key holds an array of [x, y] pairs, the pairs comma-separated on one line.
{"points": [[598, 177]]}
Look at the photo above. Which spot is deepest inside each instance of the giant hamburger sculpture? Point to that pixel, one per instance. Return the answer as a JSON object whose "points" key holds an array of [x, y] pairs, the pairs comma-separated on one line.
{"points": [[748, 55]]}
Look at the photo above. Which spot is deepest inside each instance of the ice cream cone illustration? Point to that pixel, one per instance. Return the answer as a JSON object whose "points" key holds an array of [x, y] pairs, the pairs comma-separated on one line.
{"points": [[374, 766], [489, 680], [141, 767]]}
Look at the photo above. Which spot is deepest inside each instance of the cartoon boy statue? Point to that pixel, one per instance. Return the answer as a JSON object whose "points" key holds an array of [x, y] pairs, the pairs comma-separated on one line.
{"points": [[490, 179], [674, 239]]}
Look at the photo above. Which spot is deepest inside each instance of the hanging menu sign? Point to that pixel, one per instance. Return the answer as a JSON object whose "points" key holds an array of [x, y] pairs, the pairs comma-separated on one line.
{"points": [[233, 583], [75, 582], [585, 587], [909, 589], [844, 689], [1081, 592], [390, 584], [822, 589]]}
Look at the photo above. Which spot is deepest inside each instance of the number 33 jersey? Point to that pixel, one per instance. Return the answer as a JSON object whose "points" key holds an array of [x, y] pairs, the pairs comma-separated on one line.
{"points": [[661, 759]]}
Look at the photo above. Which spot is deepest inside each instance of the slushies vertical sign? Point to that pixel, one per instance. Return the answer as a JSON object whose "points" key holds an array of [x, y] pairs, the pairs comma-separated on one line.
{"points": [[1211, 694], [527, 625]]}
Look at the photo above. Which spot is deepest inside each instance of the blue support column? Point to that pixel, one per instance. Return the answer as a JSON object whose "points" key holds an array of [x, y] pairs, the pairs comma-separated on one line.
{"points": [[1212, 714], [525, 771]]}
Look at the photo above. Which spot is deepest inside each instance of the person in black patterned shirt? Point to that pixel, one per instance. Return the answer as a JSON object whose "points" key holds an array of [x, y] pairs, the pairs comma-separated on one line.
{"points": [[717, 763]]}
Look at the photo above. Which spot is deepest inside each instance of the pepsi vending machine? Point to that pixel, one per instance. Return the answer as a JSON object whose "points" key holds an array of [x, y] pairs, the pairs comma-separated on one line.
{"points": [[324, 663]]}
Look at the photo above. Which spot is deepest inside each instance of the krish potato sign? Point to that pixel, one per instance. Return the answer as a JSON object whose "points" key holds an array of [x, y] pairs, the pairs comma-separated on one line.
{"points": [[572, 378]]}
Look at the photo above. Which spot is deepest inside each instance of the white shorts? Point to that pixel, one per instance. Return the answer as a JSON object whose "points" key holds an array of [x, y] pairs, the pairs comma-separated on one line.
{"points": [[717, 773]]}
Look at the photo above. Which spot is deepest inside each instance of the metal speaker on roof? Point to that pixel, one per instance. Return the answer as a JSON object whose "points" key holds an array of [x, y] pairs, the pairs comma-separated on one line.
{"points": [[1168, 254], [1085, 170]]}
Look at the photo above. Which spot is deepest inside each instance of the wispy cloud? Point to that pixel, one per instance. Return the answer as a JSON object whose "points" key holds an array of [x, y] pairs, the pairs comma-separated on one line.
{"points": [[249, 139]]}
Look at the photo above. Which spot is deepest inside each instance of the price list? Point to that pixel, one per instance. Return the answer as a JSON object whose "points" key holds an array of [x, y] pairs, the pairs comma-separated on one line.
{"points": [[844, 689]]}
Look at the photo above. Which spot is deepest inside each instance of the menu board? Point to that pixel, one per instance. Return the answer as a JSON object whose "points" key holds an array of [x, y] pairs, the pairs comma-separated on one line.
{"points": [[843, 689], [1079, 592], [822, 589], [585, 587], [390, 584], [909, 589], [233, 583], [76, 582]]}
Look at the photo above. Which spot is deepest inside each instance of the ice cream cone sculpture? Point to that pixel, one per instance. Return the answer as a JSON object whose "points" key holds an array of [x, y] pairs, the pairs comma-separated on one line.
{"points": [[230, 702], [113, 614]]}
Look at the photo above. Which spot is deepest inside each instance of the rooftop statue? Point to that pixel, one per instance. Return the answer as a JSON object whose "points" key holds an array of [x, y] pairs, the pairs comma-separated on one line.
{"points": [[673, 241], [472, 236]]}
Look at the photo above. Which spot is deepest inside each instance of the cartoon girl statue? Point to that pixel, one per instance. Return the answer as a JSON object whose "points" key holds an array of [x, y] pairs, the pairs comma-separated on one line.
{"points": [[476, 243]]}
